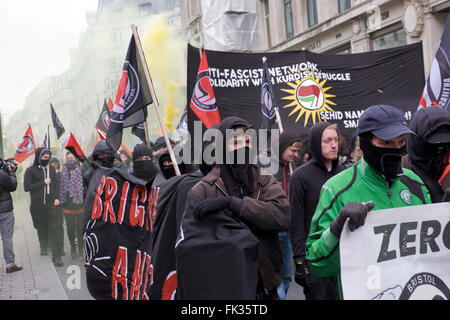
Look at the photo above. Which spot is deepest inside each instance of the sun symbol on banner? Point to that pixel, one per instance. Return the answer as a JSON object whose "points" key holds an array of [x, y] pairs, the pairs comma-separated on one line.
{"points": [[309, 98]]}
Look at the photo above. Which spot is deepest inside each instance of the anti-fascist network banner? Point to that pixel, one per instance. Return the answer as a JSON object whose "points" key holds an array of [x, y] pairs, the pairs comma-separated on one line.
{"points": [[119, 210], [310, 87], [401, 253]]}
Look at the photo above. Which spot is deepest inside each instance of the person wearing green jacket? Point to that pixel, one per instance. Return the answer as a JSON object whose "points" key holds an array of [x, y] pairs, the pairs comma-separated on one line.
{"points": [[376, 182]]}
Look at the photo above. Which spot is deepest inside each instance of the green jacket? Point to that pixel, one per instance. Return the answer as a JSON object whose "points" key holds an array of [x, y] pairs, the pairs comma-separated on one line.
{"points": [[358, 183]]}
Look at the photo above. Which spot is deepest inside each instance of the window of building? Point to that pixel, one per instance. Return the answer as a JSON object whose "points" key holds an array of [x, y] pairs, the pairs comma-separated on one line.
{"points": [[145, 8], [267, 23], [388, 40], [343, 49], [288, 18], [344, 5], [312, 12]]}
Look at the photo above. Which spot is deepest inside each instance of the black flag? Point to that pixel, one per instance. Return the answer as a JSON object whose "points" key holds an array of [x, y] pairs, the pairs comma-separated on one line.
{"points": [[132, 98], [46, 142], [103, 119], [267, 99], [139, 131], [56, 123]]}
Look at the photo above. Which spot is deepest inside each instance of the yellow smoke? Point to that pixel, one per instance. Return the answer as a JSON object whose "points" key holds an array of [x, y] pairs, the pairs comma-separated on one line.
{"points": [[164, 55]]}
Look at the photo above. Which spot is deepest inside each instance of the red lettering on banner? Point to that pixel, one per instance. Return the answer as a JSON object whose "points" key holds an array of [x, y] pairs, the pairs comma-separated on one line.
{"points": [[169, 287], [98, 205], [137, 212], [152, 206], [136, 280], [119, 274], [123, 201], [110, 192], [148, 271]]}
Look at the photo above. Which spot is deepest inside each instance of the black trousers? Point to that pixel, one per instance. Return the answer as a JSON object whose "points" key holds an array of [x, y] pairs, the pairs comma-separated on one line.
{"points": [[74, 224], [325, 288], [47, 221]]}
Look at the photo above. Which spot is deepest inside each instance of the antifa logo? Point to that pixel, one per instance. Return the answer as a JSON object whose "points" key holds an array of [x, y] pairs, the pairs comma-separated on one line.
{"points": [[201, 98], [309, 95], [105, 119], [127, 93], [266, 101], [437, 88], [26, 146]]}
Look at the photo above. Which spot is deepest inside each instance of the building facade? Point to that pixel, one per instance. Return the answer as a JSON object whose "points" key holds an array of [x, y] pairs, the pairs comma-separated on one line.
{"points": [[329, 26]]}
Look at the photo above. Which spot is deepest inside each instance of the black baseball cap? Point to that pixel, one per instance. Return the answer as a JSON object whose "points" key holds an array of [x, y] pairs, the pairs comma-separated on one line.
{"points": [[383, 121], [440, 135]]}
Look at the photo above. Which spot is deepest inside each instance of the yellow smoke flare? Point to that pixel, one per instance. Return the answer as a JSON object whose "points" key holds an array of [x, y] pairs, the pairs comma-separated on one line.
{"points": [[164, 55]]}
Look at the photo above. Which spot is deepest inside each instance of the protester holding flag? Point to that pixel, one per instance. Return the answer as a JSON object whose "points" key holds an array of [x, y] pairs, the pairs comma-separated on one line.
{"points": [[237, 197], [306, 183], [43, 205], [429, 148], [71, 198], [54, 162], [375, 181]]}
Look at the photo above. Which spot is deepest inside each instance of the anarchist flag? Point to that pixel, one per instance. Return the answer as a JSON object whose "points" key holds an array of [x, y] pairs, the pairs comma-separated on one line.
{"points": [[104, 119], [74, 148], [203, 101], [27, 147], [139, 131], [267, 101], [56, 123], [132, 98], [437, 87], [46, 142]]}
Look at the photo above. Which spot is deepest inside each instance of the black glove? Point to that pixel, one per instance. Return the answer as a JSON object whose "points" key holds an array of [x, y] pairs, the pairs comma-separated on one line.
{"points": [[301, 273], [356, 212], [446, 197], [217, 204]]}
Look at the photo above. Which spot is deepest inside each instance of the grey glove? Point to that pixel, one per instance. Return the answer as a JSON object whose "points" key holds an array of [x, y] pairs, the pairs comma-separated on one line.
{"points": [[446, 197], [354, 211]]}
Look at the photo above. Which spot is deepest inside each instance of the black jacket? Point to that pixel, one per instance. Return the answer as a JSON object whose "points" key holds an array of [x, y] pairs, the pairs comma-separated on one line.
{"points": [[305, 186], [34, 181], [8, 184], [421, 153]]}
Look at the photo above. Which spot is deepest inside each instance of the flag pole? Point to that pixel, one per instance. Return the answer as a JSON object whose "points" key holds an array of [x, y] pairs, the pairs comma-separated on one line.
{"points": [[155, 100], [278, 120]]}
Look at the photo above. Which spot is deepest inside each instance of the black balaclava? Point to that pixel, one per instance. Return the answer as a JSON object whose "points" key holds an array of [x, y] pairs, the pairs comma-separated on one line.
{"points": [[38, 155], [169, 171], [143, 169], [238, 178], [102, 147], [385, 161]]}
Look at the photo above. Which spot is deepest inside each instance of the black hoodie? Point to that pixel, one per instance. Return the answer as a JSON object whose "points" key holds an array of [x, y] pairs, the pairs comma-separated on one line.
{"points": [[423, 154], [305, 186], [34, 180]]}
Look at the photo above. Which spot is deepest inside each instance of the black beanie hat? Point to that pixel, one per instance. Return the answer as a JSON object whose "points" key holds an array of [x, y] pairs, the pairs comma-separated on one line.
{"points": [[141, 150], [286, 139]]}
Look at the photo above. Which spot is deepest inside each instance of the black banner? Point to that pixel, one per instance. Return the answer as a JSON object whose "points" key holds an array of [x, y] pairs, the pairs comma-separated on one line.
{"points": [[310, 87], [117, 223]]}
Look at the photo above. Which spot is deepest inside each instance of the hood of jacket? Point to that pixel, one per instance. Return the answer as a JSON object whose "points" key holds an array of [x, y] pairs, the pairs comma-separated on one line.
{"points": [[315, 143], [424, 123], [101, 147], [38, 155]]}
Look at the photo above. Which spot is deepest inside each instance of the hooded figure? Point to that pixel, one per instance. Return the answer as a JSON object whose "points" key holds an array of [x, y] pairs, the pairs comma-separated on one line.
{"points": [[227, 213], [44, 196], [428, 149], [143, 165], [305, 186]]}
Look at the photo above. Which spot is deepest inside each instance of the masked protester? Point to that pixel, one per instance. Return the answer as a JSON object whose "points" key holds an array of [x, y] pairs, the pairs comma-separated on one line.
{"points": [[54, 162], [248, 207], [428, 150], [44, 194], [71, 197], [375, 181], [103, 156], [143, 166]]}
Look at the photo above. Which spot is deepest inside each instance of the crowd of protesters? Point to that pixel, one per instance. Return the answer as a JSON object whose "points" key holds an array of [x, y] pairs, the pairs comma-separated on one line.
{"points": [[294, 222]]}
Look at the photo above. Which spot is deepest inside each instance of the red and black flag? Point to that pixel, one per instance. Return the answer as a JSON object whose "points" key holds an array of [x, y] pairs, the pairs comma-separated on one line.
{"points": [[73, 147], [267, 99], [437, 87], [139, 131], [132, 98], [56, 123], [104, 119], [203, 101], [27, 147]]}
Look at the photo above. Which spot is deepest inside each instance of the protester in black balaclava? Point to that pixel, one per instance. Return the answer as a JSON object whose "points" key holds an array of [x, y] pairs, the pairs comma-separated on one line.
{"points": [[143, 166], [167, 168], [428, 149]]}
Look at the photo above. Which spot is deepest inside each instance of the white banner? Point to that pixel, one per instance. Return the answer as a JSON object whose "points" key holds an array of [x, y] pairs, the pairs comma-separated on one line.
{"points": [[401, 253]]}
